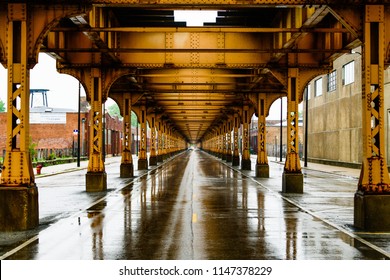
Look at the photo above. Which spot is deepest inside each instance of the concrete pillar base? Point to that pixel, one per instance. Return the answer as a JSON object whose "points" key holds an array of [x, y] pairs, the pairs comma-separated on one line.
{"points": [[19, 208], [153, 160], [292, 182], [236, 161], [96, 181], [142, 164], [229, 158], [372, 211], [262, 170], [126, 170], [246, 164]]}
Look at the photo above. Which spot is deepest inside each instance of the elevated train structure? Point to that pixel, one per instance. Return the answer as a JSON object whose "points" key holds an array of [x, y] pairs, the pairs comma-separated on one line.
{"points": [[193, 85]]}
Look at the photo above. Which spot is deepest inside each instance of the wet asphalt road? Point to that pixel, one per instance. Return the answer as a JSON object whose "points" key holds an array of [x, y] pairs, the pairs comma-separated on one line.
{"points": [[192, 207]]}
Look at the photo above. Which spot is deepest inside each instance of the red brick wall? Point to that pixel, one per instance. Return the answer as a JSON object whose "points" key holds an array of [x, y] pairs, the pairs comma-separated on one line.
{"points": [[60, 136]]}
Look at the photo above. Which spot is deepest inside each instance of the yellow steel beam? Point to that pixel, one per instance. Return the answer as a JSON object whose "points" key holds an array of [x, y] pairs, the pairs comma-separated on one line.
{"points": [[218, 4], [374, 177], [142, 158], [189, 29], [17, 170], [262, 158], [127, 169], [292, 164], [246, 119], [159, 139], [153, 140], [96, 163], [189, 48]]}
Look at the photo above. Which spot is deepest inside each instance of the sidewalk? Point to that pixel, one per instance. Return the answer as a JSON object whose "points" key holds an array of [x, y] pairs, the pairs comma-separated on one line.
{"points": [[344, 171], [69, 167]]}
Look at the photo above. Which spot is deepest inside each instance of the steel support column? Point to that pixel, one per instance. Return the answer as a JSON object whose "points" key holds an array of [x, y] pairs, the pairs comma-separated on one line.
{"points": [[372, 199], [229, 156], [127, 168], [216, 143], [160, 141], [164, 141], [246, 160], [224, 140], [168, 142], [262, 167], [221, 142], [142, 157], [18, 192], [236, 154], [292, 175], [153, 141], [96, 177]]}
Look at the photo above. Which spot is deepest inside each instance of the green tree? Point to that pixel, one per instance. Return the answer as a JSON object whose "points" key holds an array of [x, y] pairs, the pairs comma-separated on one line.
{"points": [[114, 111], [2, 106], [32, 148], [134, 119]]}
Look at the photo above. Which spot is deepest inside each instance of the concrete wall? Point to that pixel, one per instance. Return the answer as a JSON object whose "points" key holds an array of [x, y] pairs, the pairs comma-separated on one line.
{"points": [[335, 118]]}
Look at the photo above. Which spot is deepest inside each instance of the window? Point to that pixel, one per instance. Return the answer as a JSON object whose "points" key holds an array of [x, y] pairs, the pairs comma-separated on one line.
{"points": [[332, 81], [318, 87], [349, 73]]}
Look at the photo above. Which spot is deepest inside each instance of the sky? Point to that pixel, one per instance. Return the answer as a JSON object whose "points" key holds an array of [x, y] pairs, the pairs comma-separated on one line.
{"points": [[195, 18], [63, 89]]}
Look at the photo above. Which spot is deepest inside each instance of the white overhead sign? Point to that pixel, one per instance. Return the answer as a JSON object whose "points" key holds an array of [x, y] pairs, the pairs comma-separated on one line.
{"points": [[48, 118]]}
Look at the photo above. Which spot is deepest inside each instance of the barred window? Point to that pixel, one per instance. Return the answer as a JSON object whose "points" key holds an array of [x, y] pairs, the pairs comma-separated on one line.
{"points": [[332, 79]]}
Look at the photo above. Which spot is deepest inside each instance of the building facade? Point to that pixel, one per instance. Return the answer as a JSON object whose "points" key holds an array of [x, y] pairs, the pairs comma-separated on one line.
{"points": [[335, 113], [276, 138]]}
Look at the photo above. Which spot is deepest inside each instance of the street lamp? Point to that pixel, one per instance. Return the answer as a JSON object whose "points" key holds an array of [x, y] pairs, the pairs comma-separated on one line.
{"points": [[306, 123], [281, 129], [78, 128], [83, 120], [75, 132]]}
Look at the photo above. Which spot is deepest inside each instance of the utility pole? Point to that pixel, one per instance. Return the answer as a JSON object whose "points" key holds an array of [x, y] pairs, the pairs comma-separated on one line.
{"points": [[78, 128]]}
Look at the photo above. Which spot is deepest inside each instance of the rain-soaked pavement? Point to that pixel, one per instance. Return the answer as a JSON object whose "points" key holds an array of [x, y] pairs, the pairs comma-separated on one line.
{"points": [[195, 206]]}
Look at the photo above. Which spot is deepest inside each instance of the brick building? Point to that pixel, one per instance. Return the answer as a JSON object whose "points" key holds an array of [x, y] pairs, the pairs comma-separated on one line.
{"points": [[273, 137], [60, 139], [53, 132]]}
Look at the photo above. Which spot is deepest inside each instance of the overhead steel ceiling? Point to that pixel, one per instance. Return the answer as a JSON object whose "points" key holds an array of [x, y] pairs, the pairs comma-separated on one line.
{"points": [[197, 76]]}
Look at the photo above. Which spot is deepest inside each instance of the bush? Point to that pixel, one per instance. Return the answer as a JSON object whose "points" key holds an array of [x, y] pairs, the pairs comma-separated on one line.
{"points": [[52, 156], [31, 148]]}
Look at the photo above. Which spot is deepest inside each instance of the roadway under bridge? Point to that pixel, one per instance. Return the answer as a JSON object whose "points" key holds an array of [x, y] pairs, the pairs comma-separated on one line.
{"points": [[193, 85], [195, 206]]}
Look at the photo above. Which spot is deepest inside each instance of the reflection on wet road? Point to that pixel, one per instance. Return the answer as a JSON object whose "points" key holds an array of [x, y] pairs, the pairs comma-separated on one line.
{"points": [[193, 207]]}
